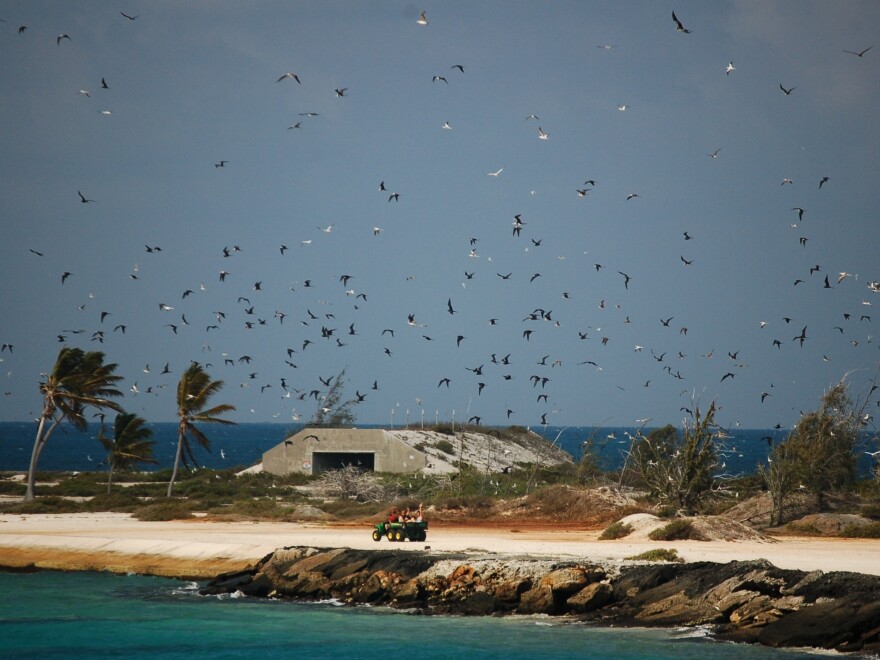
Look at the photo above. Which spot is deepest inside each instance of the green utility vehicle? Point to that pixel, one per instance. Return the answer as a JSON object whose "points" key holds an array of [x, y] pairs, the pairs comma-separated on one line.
{"points": [[414, 531]]}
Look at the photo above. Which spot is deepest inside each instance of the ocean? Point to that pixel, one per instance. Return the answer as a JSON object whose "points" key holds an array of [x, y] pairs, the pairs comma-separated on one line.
{"points": [[243, 445], [100, 615]]}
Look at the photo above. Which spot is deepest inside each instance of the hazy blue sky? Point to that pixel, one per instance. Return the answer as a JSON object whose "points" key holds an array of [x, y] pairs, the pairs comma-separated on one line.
{"points": [[626, 101]]}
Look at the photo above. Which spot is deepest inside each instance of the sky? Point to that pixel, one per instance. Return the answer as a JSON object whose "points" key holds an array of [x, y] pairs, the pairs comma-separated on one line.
{"points": [[364, 215]]}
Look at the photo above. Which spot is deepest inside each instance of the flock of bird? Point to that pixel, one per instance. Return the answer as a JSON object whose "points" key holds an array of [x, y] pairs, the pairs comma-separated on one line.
{"points": [[303, 333]]}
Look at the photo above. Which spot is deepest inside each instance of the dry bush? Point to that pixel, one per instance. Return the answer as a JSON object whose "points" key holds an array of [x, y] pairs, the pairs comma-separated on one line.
{"points": [[352, 483], [595, 506]]}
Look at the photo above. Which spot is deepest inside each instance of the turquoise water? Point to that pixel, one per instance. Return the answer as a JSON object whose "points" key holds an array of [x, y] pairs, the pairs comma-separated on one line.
{"points": [[98, 615]]}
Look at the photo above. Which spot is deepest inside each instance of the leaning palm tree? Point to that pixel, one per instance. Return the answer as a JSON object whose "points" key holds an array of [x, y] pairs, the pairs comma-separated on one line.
{"points": [[131, 444], [193, 392], [78, 380]]}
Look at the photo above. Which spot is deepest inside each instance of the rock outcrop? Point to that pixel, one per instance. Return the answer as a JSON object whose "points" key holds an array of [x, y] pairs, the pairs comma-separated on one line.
{"points": [[751, 601]]}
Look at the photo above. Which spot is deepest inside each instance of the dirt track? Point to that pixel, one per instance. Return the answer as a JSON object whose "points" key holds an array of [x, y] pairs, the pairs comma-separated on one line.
{"points": [[201, 548]]}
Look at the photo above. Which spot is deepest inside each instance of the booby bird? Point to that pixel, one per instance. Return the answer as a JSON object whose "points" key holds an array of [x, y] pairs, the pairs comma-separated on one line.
{"points": [[678, 24]]}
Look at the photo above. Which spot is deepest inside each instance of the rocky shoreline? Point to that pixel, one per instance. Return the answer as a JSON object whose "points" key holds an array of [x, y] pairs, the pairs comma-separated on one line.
{"points": [[742, 601]]}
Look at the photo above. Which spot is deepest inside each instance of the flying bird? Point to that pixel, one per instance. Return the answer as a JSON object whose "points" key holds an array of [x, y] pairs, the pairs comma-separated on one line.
{"points": [[288, 76], [678, 24], [787, 92], [729, 68], [83, 199], [859, 53], [60, 37], [542, 135], [422, 20]]}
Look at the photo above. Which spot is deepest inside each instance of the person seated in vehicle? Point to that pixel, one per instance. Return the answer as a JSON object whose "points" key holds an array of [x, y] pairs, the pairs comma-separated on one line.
{"points": [[393, 517]]}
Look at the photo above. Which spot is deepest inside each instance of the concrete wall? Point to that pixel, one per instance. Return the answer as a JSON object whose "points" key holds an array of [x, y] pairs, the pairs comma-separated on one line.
{"points": [[297, 453]]}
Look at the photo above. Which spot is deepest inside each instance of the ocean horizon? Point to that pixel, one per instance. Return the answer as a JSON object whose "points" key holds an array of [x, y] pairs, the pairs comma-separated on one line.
{"points": [[242, 445]]}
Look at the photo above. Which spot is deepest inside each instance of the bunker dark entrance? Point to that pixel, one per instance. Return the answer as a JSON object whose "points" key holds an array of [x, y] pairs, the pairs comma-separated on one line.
{"points": [[334, 460]]}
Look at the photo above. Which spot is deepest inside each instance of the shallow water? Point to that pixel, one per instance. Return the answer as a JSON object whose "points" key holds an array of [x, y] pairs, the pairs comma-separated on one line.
{"points": [[98, 615]]}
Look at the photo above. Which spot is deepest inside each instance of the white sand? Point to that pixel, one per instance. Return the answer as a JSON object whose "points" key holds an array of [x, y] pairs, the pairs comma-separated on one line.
{"points": [[199, 547]]}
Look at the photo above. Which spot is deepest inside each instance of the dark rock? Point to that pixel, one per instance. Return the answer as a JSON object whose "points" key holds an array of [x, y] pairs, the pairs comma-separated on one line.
{"points": [[480, 603], [750, 601], [539, 600], [591, 597], [846, 624]]}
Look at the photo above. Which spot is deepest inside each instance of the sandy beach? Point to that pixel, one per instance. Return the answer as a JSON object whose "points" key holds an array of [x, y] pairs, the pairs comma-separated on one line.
{"points": [[202, 548]]}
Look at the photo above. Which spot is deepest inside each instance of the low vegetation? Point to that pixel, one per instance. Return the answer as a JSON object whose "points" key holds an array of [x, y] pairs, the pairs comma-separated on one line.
{"points": [[680, 529], [671, 473], [616, 530], [658, 554]]}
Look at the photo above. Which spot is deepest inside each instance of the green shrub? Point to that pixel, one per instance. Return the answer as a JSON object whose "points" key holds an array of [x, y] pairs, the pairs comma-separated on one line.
{"points": [[869, 531], [165, 510], [45, 504], [660, 554], [446, 447], [803, 529], [353, 510], [616, 530], [12, 487], [84, 484], [677, 530], [871, 511], [475, 504], [120, 500]]}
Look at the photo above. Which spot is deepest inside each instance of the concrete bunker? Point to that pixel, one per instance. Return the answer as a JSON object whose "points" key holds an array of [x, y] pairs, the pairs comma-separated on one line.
{"points": [[316, 450], [322, 461]]}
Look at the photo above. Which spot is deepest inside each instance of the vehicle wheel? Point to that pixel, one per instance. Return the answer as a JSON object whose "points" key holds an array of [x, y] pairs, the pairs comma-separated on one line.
{"points": [[391, 535], [423, 535], [398, 535], [376, 535]]}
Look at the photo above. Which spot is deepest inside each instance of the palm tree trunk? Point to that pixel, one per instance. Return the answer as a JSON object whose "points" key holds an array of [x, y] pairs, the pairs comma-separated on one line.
{"points": [[110, 478], [32, 469], [39, 442], [176, 461]]}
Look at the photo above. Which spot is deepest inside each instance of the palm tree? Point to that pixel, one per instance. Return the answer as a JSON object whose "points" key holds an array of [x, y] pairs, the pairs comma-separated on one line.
{"points": [[79, 379], [193, 392], [131, 444]]}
